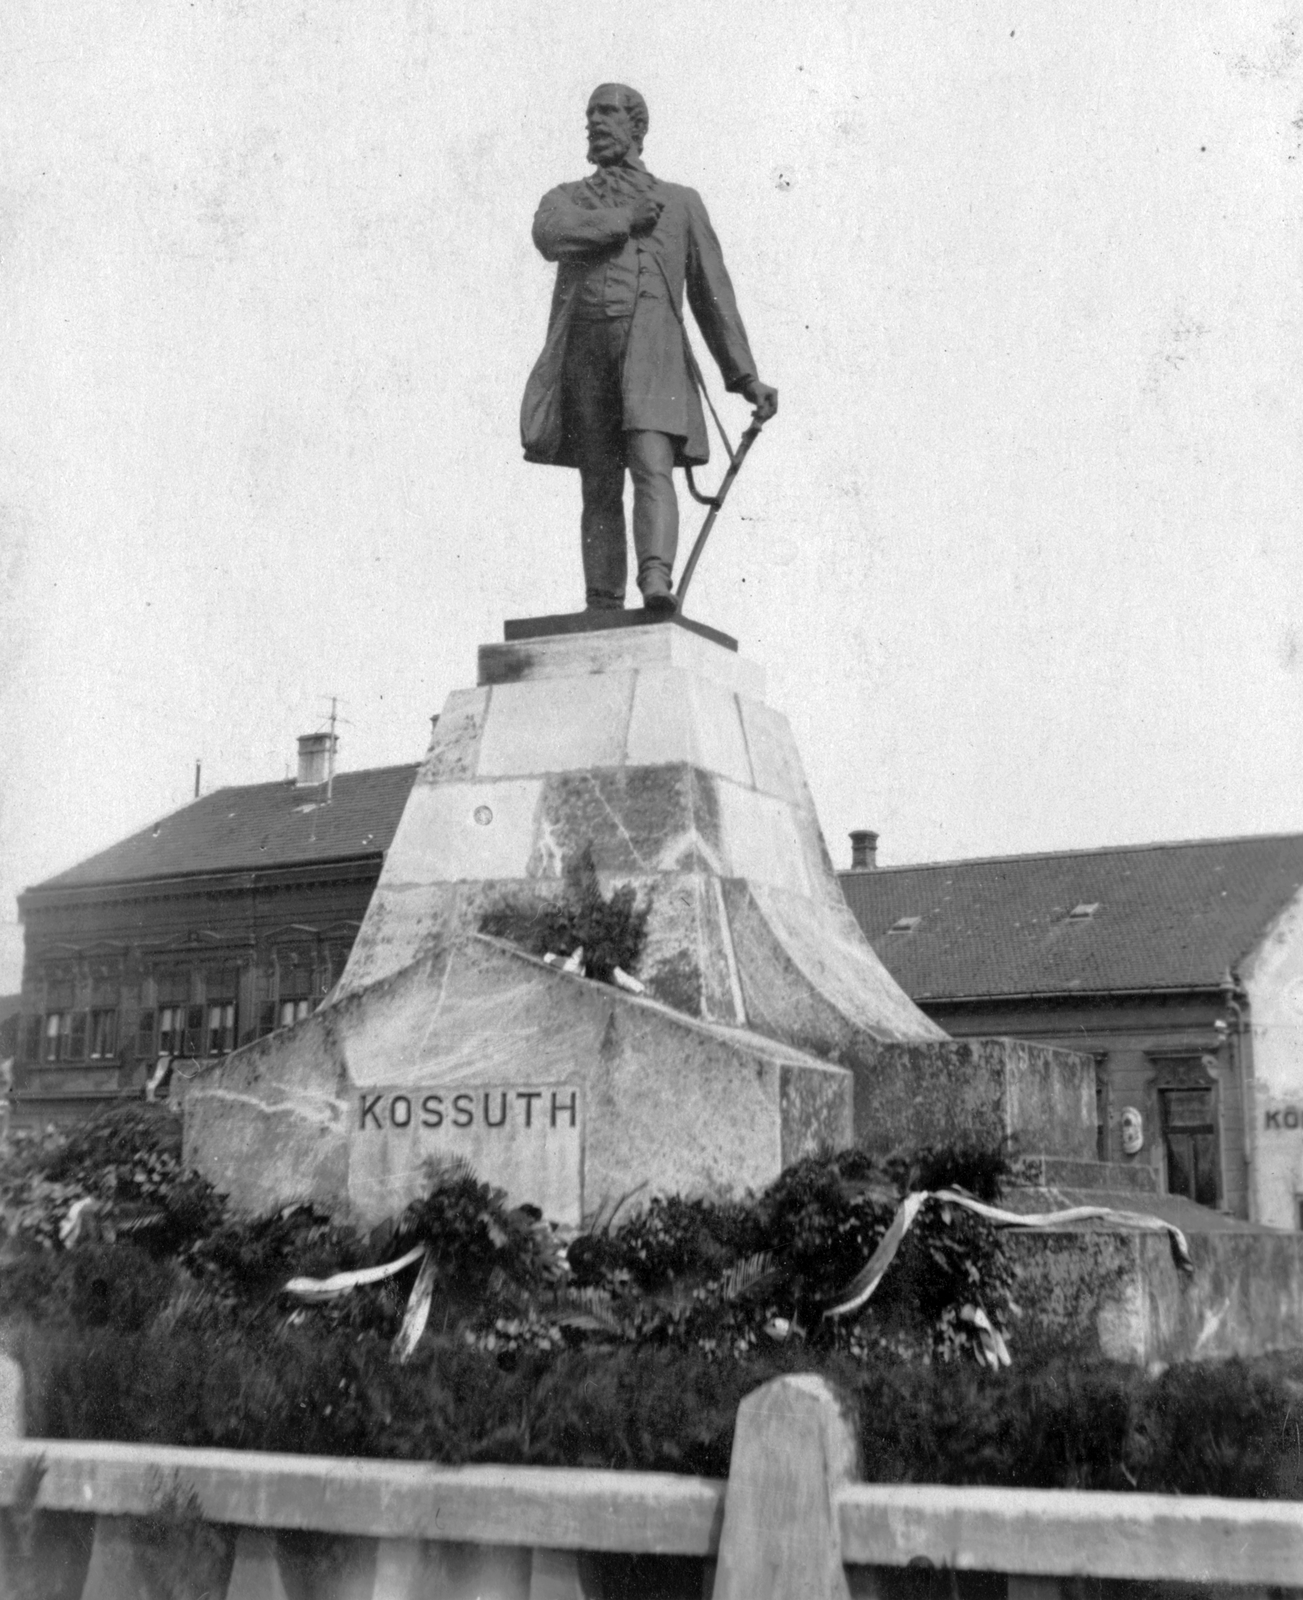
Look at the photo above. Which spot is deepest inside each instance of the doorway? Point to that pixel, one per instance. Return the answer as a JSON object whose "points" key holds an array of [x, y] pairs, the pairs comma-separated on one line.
{"points": [[1190, 1143]]}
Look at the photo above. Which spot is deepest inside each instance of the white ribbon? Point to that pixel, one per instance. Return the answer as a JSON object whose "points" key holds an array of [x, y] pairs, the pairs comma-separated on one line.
{"points": [[861, 1287], [317, 1289]]}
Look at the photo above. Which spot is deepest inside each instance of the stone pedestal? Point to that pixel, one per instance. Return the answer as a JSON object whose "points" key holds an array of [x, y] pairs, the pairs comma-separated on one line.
{"points": [[651, 746], [769, 1027]]}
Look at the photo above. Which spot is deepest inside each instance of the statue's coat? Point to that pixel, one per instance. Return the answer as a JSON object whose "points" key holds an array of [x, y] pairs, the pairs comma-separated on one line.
{"points": [[658, 390]]}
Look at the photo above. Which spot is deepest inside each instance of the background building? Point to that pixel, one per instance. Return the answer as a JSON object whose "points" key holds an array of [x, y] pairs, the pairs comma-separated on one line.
{"points": [[220, 922], [1179, 966]]}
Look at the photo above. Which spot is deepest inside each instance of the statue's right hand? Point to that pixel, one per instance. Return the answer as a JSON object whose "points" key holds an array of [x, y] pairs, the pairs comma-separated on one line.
{"points": [[646, 214]]}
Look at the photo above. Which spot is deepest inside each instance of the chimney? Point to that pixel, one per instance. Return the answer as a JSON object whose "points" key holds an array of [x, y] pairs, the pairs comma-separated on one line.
{"points": [[315, 751], [864, 850]]}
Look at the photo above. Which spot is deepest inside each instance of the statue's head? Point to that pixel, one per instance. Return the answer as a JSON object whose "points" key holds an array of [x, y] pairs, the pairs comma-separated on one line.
{"points": [[617, 123]]}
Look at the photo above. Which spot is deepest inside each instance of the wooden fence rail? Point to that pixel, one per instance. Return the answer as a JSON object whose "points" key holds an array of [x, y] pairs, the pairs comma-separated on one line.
{"points": [[792, 1522]]}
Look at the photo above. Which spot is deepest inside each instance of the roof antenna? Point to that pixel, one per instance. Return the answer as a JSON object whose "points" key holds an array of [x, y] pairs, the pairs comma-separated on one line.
{"points": [[335, 719], [198, 765], [330, 754]]}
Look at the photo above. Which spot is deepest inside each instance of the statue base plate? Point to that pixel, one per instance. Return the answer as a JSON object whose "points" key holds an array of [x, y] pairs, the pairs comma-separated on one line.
{"points": [[604, 622]]}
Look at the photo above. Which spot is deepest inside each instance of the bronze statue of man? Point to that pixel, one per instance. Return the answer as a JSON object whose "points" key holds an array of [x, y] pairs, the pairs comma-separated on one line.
{"points": [[613, 389]]}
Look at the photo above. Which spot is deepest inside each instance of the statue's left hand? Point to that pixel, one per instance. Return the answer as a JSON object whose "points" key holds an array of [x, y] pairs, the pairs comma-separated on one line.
{"points": [[763, 398]]}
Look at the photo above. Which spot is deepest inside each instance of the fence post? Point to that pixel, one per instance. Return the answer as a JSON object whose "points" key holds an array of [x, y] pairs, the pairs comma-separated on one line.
{"points": [[115, 1571], [13, 1408], [256, 1574], [793, 1448], [400, 1570], [1025, 1588], [560, 1575], [12, 1426]]}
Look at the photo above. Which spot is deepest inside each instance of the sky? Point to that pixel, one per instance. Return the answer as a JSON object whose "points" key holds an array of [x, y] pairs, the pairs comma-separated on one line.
{"points": [[1020, 554]]}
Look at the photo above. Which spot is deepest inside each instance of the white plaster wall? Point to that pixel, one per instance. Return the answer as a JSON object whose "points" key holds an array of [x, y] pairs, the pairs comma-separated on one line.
{"points": [[1273, 978]]}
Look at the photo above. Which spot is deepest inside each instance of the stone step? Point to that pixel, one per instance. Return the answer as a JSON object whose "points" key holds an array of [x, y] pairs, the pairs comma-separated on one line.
{"points": [[1058, 1172], [977, 1091], [1118, 1291], [1173, 1208]]}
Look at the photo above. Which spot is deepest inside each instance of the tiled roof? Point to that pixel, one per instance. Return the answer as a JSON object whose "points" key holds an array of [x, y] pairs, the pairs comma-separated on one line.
{"points": [[257, 825], [1167, 916]]}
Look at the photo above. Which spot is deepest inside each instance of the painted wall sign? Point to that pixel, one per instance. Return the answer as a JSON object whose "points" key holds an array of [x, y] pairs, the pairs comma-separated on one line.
{"points": [[524, 1138], [1283, 1117]]}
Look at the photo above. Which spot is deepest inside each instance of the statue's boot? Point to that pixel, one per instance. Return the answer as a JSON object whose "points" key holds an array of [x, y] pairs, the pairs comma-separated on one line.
{"points": [[657, 588]]}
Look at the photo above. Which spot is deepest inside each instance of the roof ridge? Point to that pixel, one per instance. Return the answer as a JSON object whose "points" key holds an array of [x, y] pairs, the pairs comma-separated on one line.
{"points": [[292, 783], [1050, 855]]}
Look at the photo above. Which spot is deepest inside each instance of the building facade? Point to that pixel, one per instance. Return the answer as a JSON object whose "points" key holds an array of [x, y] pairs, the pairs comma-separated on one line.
{"points": [[1178, 966], [217, 924]]}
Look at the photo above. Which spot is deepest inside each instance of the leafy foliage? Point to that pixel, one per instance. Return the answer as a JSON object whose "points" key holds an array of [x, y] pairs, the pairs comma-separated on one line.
{"points": [[727, 1276], [611, 931], [629, 1345], [1209, 1431], [668, 1408], [118, 1174], [245, 1263]]}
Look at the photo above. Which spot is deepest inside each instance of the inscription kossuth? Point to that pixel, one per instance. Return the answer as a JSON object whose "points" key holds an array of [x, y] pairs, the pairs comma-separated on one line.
{"points": [[510, 1109], [524, 1138]]}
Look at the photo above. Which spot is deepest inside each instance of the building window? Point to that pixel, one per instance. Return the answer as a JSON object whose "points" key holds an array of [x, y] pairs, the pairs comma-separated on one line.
{"points": [[33, 1034], [77, 1037], [1190, 1138], [292, 1011], [57, 1027], [181, 1030], [221, 1027], [145, 1034], [64, 1037], [171, 1031], [103, 1035]]}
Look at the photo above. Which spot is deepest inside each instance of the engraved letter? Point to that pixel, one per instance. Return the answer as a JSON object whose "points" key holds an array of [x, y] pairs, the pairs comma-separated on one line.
{"points": [[572, 1107], [1290, 1118], [432, 1111], [1272, 1119], [529, 1096], [369, 1104], [502, 1107], [405, 1119], [463, 1106]]}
